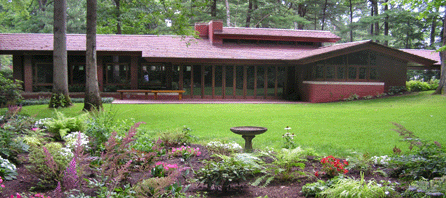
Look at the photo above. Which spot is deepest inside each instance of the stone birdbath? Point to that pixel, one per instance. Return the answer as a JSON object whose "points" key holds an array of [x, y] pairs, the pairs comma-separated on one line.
{"points": [[248, 133]]}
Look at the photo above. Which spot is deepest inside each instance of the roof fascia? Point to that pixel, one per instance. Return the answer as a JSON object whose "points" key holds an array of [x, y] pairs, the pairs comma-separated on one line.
{"points": [[241, 62], [368, 46], [275, 38]]}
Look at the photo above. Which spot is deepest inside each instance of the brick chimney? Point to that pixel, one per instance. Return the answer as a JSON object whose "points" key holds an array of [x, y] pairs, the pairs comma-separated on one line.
{"points": [[202, 29], [215, 26]]}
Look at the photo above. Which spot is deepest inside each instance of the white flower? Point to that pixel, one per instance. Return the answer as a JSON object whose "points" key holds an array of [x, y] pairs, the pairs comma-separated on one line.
{"points": [[287, 128]]}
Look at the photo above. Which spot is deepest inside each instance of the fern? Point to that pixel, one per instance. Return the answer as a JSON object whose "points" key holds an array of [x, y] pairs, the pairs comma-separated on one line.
{"points": [[61, 125]]}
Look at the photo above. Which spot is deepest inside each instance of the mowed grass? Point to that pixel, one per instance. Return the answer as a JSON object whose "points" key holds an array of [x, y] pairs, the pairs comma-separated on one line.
{"points": [[331, 128]]}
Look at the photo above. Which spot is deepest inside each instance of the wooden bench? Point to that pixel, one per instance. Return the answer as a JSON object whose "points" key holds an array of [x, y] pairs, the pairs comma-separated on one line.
{"points": [[155, 92]]}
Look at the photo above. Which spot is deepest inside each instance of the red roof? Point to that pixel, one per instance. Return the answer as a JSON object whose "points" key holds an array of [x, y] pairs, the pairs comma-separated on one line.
{"points": [[179, 47], [301, 34], [430, 54]]}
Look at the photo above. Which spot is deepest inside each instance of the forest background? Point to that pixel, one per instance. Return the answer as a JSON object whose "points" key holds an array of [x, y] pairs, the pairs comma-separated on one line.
{"points": [[396, 24]]}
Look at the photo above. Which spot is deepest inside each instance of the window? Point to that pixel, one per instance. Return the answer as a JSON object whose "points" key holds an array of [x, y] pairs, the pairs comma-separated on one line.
{"points": [[341, 72], [77, 74], [330, 72], [373, 73], [318, 71], [117, 73], [362, 73], [43, 73], [351, 72]]}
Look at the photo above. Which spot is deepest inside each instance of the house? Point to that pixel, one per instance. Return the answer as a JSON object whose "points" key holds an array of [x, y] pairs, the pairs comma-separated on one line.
{"points": [[224, 63]]}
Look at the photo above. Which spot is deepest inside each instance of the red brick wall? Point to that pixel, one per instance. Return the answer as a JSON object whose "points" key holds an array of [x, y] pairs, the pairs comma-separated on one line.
{"points": [[318, 91], [213, 27], [203, 29]]}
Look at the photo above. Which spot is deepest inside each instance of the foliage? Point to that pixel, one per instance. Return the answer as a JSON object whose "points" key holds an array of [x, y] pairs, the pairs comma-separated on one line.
{"points": [[223, 148], [426, 159], [159, 187], [10, 146], [417, 86], [27, 102], [71, 140], [361, 162], [49, 164], [176, 137], [348, 187], [59, 100], [396, 90], [313, 189], [352, 97], [162, 169], [62, 125], [223, 173], [102, 124], [185, 152], [333, 167], [18, 123], [288, 139], [10, 91], [8, 170], [116, 158], [427, 188]]}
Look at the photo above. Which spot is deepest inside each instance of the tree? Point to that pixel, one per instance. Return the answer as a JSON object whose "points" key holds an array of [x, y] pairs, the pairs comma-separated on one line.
{"points": [[92, 98], [60, 97]]}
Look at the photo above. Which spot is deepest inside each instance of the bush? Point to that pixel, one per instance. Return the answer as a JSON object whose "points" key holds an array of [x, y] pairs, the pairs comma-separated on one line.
{"points": [[7, 169], [427, 188], [348, 187], [10, 91], [223, 173], [10, 147], [49, 164], [417, 86], [41, 101], [396, 90], [425, 160], [223, 148], [177, 137], [59, 100], [61, 125]]}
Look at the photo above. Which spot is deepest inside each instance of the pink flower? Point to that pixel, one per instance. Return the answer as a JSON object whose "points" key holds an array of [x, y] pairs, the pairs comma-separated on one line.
{"points": [[35, 129]]}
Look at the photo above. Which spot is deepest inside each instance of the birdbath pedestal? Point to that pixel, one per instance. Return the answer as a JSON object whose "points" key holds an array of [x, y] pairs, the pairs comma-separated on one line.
{"points": [[248, 133]]}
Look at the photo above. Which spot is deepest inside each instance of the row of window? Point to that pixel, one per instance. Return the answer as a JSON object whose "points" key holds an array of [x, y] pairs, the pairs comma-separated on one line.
{"points": [[338, 72]]}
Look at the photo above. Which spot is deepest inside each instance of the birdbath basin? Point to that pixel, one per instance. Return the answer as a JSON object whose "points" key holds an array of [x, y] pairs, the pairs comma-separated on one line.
{"points": [[248, 133]]}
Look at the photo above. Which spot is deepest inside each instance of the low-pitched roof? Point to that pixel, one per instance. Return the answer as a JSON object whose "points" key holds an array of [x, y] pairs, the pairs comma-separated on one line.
{"points": [[177, 47], [430, 54]]}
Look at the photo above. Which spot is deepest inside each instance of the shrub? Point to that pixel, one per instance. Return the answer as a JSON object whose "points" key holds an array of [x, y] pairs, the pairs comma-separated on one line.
{"points": [[333, 167], [396, 90], [59, 100], [9, 146], [41, 101], [223, 173], [223, 148], [61, 125], [417, 86], [10, 91], [159, 187], [425, 159], [176, 137], [427, 188], [7, 169], [313, 189], [49, 163], [361, 162], [348, 187]]}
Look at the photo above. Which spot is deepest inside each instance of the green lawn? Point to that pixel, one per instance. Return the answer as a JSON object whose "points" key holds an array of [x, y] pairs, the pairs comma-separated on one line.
{"points": [[331, 128]]}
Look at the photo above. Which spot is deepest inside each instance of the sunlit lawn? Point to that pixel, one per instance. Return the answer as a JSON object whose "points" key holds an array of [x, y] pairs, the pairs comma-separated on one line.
{"points": [[332, 128]]}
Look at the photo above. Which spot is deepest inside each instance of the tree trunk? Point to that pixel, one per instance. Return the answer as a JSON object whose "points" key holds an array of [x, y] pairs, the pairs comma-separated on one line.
{"points": [[301, 11], [351, 21], [248, 15], [386, 23], [442, 84], [214, 9], [433, 27], [118, 16], [92, 98], [228, 15], [375, 32], [371, 25], [60, 68], [323, 15]]}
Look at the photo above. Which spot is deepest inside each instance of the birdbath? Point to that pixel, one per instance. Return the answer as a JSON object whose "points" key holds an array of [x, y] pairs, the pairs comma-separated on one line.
{"points": [[248, 133]]}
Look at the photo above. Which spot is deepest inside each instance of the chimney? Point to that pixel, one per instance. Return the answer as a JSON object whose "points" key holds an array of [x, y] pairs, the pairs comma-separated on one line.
{"points": [[215, 26], [202, 29]]}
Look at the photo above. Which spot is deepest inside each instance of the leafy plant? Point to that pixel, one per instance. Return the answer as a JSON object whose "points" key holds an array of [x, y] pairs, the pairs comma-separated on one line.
{"points": [[185, 152], [288, 139], [223, 173], [348, 187], [332, 166], [313, 189], [8, 170], [425, 160], [223, 148], [176, 137], [61, 125], [427, 188], [10, 91], [361, 162], [10, 146], [156, 187], [49, 164], [162, 169], [59, 100]]}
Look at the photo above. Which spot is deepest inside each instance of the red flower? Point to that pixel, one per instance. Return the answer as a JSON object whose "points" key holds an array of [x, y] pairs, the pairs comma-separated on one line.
{"points": [[346, 162], [345, 171], [316, 174]]}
